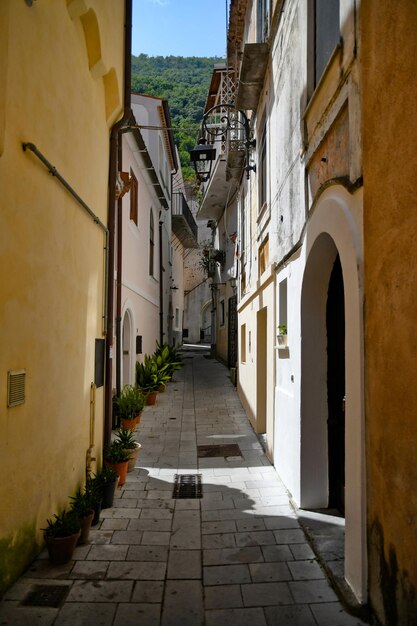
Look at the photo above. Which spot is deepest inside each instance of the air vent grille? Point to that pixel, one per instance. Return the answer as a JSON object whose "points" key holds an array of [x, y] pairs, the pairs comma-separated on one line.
{"points": [[16, 387]]}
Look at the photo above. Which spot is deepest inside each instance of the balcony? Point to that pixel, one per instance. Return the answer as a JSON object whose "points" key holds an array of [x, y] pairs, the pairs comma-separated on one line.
{"points": [[183, 223], [252, 74]]}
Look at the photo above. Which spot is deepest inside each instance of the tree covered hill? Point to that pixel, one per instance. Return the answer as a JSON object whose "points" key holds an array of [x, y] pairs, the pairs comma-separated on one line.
{"points": [[184, 82]]}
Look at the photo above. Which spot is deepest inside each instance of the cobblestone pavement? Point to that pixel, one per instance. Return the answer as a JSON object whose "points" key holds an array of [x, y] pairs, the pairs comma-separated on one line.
{"points": [[236, 555]]}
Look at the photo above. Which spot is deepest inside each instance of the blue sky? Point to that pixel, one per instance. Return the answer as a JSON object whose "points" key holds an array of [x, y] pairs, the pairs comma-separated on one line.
{"points": [[179, 27]]}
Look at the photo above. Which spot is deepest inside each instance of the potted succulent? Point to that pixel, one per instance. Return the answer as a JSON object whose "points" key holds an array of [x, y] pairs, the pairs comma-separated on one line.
{"points": [[149, 378], [126, 438], [282, 337], [61, 536], [168, 356], [95, 493], [82, 506], [130, 405], [116, 458]]}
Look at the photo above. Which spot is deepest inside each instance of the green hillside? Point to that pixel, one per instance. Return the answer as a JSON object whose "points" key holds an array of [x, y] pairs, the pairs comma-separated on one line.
{"points": [[184, 82]]}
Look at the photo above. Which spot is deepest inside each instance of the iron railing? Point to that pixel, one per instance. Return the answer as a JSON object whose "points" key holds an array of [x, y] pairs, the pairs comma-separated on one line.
{"points": [[180, 207]]}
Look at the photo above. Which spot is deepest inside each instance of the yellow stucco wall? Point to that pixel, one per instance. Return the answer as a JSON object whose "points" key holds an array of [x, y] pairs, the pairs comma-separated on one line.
{"points": [[51, 252], [390, 231]]}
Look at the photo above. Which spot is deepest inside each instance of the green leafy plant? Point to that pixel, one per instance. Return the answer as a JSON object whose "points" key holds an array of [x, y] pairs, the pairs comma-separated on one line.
{"points": [[62, 524], [81, 503], [282, 329], [115, 453], [169, 357], [149, 376], [130, 402], [126, 438]]}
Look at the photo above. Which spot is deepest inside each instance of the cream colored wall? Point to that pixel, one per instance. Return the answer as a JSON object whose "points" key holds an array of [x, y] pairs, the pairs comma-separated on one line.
{"points": [[51, 255], [248, 309]]}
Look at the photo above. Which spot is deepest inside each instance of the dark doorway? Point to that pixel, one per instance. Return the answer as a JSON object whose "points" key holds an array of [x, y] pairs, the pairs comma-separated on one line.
{"points": [[232, 333], [335, 320]]}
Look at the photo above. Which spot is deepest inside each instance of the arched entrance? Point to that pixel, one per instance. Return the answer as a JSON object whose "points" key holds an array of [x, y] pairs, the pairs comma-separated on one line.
{"points": [[332, 429], [127, 343], [335, 324]]}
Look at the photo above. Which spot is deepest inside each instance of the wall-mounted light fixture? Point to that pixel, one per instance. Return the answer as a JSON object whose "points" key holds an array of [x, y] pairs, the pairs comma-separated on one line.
{"points": [[221, 121]]}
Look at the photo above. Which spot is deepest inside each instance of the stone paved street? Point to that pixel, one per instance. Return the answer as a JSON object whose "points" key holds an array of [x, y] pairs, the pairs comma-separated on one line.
{"points": [[237, 555]]}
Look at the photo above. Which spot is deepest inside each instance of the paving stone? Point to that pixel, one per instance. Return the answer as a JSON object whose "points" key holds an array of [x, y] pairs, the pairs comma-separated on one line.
{"points": [[228, 526], [114, 524], [305, 570], [94, 570], [184, 564], [250, 524], [85, 614], [259, 538], [237, 617], [99, 537], [302, 551], [149, 524], [129, 537], [226, 556], [100, 591], [269, 572], [183, 603], [289, 536], [290, 616], [277, 553], [264, 594], [223, 597], [312, 591], [147, 553], [44, 569], [279, 522], [218, 541], [157, 514], [107, 553], [226, 574], [155, 538], [137, 570], [148, 591], [332, 613], [133, 613]]}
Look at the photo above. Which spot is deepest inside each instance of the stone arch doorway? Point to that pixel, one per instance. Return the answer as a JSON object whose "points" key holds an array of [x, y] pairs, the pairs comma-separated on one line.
{"points": [[128, 351], [332, 461]]}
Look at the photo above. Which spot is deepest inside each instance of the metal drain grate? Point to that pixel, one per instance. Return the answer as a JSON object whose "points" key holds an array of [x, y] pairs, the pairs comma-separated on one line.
{"points": [[46, 595], [230, 449], [187, 486]]}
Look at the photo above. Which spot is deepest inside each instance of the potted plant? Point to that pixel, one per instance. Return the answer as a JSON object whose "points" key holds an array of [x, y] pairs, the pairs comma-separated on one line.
{"points": [[95, 493], [168, 356], [149, 378], [126, 438], [130, 405], [61, 536], [282, 337], [116, 458], [82, 506]]}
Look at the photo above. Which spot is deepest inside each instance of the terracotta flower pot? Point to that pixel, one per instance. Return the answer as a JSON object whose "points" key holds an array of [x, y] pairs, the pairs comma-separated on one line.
{"points": [[120, 469], [129, 424], [85, 524], [61, 549], [134, 452], [151, 398]]}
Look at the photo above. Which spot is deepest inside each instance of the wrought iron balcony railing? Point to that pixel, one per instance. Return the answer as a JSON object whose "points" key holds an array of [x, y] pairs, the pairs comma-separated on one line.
{"points": [[183, 222]]}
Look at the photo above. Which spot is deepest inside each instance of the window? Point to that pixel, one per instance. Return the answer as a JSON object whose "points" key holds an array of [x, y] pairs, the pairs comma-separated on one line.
{"points": [[222, 312], [243, 343], [262, 21], [151, 243], [262, 166], [133, 198], [263, 256], [282, 305], [177, 318], [326, 34]]}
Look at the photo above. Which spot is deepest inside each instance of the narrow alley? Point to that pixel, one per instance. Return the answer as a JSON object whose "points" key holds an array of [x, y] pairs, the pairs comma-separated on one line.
{"points": [[237, 554]]}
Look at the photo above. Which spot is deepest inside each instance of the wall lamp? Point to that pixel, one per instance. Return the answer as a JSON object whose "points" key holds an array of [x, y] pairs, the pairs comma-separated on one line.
{"points": [[220, 121]]}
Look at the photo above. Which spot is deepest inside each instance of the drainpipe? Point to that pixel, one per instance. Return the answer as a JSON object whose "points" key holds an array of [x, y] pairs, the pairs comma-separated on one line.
{"points": [[114, 138], [119, 275], [161, 285]]}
